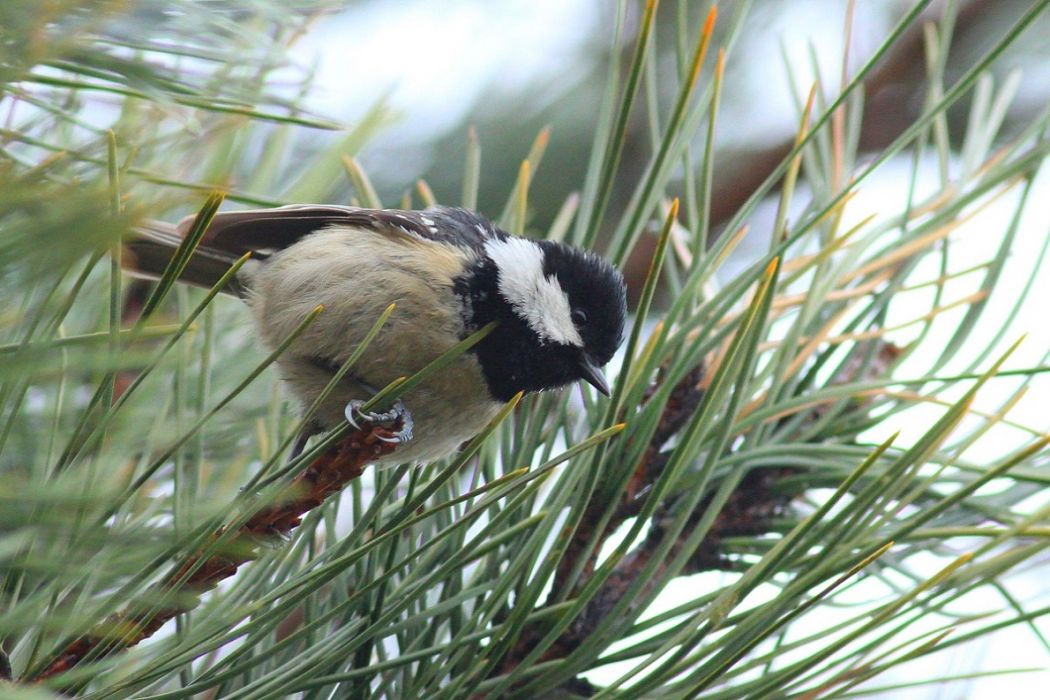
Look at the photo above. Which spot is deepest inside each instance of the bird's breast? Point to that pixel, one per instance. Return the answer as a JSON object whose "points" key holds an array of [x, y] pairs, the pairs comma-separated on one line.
{"points": [[355, 276]]}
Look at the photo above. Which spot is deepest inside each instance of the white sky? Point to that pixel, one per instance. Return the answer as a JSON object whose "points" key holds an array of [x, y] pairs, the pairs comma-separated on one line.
{"points": [[433, 60]]}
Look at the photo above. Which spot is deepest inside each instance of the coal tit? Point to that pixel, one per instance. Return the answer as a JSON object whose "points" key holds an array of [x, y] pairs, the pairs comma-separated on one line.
{"points": [[560, 310]]}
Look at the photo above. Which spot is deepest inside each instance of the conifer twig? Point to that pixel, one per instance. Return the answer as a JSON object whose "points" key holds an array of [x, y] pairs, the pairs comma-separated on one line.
{"points": [[680, 406], [750, 510], [199, 572]]}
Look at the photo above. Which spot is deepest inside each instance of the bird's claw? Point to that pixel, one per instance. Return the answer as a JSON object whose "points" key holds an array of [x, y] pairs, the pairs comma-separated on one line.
{"points": [[397, 415]]}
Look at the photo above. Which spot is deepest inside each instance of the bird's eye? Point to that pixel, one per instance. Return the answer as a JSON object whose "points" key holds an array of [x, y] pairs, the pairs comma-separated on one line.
{"points": [[579, 317]]}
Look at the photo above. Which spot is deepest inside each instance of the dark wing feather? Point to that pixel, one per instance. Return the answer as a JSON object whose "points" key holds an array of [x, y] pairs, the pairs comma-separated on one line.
{"points": [[460, 227], [149, 253], [263, 232], [267, 230]]}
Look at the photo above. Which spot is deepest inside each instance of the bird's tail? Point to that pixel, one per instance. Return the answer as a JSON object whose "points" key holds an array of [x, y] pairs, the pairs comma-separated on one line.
{"points": [[151, 250]]}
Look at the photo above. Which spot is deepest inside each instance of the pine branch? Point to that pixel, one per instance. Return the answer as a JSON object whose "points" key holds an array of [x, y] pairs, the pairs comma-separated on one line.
{"points": [[202, 571], [680, 406], [752, 509]]}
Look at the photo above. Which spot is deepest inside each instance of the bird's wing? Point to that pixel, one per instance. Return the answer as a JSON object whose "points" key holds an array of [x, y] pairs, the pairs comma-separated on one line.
{"points": [[263, 231]]}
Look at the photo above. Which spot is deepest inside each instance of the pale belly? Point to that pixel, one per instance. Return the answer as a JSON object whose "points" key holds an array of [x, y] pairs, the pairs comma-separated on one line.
{"points": [[356, 278]]}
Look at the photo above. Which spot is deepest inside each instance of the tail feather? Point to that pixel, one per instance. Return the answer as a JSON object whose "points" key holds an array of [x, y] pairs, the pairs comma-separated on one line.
{"points": [[149, 253]]}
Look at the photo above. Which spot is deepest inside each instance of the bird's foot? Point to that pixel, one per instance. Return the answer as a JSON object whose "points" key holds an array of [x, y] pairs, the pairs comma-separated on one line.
{"points": [[398, 415]]}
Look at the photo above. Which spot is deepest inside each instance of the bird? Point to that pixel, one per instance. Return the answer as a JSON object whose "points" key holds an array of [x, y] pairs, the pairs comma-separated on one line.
{"points": [[559, 310]]}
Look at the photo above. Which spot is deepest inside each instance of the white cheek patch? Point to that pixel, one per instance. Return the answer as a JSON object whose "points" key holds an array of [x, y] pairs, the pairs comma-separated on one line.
{"points": [[538, 299]]}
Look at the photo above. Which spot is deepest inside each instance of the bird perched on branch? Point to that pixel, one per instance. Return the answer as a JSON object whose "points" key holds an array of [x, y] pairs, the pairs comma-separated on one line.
{"points": [[560, 311]]}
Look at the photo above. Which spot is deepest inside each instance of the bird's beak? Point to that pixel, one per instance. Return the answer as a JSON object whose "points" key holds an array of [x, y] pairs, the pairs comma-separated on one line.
{"points": [[592, 374]]}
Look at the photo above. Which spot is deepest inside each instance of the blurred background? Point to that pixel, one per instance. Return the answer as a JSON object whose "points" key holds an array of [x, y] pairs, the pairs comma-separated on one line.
{"points": [[513, 67]]}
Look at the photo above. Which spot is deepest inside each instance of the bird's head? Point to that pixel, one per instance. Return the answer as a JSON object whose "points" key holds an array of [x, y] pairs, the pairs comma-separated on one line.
{"points": [[561, 314]]}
